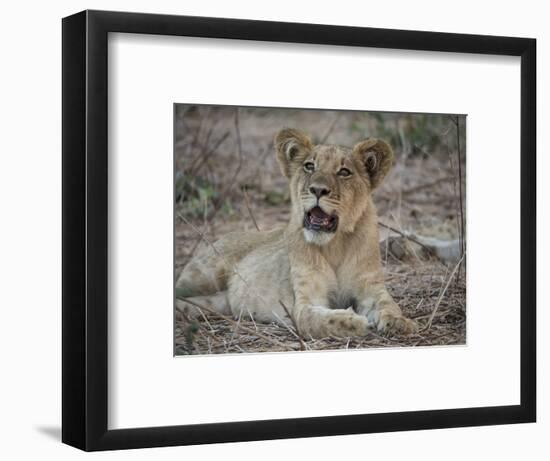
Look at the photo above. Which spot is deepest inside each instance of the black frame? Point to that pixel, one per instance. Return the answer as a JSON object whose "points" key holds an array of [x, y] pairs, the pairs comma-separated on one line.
{"points": [[85, 219]]}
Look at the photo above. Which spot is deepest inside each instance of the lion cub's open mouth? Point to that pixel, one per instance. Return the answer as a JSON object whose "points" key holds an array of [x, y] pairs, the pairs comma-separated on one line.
{"points": [[317, 220]]}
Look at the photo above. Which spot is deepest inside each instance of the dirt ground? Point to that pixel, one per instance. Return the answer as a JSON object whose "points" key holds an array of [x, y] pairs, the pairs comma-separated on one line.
{"points": [[227, 179]]}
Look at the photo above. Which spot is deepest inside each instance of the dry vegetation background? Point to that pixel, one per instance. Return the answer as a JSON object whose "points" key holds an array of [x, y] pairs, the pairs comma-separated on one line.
{"points": [[227, 179]]}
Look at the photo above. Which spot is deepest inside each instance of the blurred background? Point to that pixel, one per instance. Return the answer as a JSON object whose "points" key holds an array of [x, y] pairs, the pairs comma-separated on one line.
{"points": [[227, 179]]}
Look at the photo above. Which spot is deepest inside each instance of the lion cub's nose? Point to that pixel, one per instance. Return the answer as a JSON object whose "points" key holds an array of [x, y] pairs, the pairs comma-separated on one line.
{"points": [[319, 191]]}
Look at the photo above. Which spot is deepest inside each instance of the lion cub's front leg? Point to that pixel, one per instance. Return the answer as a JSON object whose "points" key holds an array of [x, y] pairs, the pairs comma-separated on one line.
{"points": [[311, 312], [383, 312]]}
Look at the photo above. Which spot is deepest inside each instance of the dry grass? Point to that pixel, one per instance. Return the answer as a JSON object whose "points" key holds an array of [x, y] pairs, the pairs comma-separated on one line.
{"points": [[229, 181], [416, 289]]}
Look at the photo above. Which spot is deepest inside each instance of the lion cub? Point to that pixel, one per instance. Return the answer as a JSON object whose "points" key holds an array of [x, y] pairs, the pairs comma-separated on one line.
{"points": [[324, 266]]}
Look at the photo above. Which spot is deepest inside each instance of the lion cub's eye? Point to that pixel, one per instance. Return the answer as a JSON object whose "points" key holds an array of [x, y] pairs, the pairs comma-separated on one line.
{"points": [[344, 172], [309, 167]]}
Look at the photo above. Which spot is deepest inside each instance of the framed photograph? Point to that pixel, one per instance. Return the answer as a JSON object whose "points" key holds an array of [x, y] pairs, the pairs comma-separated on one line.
{"points": [[279, 230], [266, 214]]}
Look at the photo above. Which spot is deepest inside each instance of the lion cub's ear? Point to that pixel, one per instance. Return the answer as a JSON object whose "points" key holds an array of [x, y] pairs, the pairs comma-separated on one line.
{"points": [[376, 157], [292, 147]]}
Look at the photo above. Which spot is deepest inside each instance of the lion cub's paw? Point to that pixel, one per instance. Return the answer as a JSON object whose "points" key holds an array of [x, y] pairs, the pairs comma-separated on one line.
{"points": [[396, 324], [345, 323]]}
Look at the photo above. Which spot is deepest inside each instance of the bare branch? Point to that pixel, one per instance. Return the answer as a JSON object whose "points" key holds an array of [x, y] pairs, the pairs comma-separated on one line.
{"points": [[408, 237]]}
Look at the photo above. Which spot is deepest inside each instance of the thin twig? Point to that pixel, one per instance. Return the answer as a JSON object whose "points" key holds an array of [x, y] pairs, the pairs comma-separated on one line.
{"points": [[419, 304], [302, 343], [231, 183], [414, 189], [462, 236], [438, 302], [203, 146], [288, 327], [205, 319], [191, 253], [198, 132], [247, 202], [252, 318], [204, 158], [235, 330], [330, 128]]}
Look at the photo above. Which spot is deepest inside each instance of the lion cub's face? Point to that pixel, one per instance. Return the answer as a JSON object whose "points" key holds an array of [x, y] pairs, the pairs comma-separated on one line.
{"points": [[330, 185]]}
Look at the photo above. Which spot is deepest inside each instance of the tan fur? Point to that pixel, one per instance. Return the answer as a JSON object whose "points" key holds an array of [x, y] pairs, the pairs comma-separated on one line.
{"points": [[331, 283]]}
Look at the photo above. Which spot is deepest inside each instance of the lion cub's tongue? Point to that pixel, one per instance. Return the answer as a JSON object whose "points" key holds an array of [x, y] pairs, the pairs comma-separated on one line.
{"points": [[318, 216]]}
